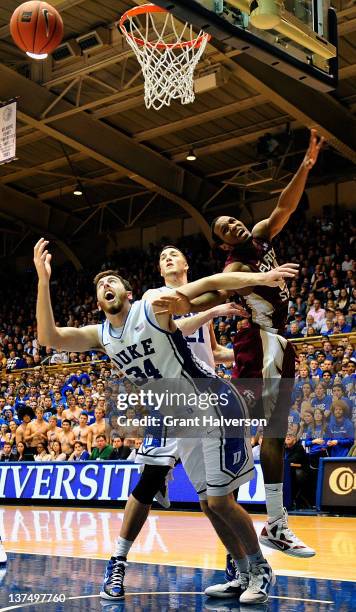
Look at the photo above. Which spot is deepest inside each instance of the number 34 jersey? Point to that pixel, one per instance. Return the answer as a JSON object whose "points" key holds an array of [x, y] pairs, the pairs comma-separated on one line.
{"points": [[143, 351]]}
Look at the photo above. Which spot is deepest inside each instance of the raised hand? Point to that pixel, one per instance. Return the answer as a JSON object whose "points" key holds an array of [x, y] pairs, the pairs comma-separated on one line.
{"points": [[229, 310], [172, 305], [315, 144], [274, 277], [42, 260]]}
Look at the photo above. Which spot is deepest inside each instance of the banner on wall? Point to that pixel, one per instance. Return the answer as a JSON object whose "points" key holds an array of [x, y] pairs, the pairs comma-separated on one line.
{"points": [[99, 481], [337, 483], [7, 131]]}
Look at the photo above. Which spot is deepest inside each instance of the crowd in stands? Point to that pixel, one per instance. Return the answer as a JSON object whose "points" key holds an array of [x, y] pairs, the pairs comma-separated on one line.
{"points": [[63, 416], [71, 415]]}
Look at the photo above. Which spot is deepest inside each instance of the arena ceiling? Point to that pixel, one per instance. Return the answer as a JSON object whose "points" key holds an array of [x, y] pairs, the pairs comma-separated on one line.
{"points": [[83, 121]]}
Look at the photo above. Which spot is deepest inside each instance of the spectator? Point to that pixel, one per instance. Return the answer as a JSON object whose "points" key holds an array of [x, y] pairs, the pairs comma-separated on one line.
{"points": [[293, 419], [309, 323], [307, 390], [317, 312], [73, 412], [22, 453], [119, 452], [321, 400], [56, 452], [102, 449], [11, 435], [340, 431], [306, 423], [6, 454], [99, 426], [79, 453], [66, 437], [132, 456], [295, 456], [347, 264], [82, 430], [36, 432], [42, 453], [294, 332], [3, 434], [343, 301], [316, 445], [53, 432], [25, 414]]}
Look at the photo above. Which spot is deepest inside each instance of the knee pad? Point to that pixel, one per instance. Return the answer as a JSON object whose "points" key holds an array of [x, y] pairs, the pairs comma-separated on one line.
{"points": [[152, 480]]}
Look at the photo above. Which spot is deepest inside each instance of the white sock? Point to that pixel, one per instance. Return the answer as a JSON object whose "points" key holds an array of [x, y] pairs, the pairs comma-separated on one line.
{"points": [[274, 500], [242, 565], [122, 547], [256, 558]]}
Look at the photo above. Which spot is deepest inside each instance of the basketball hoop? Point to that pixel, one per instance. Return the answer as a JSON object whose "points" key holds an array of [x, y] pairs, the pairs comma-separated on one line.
{"points": [[168, 68]]}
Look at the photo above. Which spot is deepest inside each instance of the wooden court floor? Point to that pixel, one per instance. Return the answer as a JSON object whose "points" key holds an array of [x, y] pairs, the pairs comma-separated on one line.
{"points": [[173, 549]]}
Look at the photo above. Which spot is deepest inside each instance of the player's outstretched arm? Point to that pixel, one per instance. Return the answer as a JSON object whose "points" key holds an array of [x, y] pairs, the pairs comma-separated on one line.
{"points": [[238, 280], [179, 302], [190, 325], [64, 338], [290, 196]]}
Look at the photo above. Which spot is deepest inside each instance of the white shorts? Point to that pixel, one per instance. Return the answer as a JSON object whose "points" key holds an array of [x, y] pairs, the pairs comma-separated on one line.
{"points": [[165, 452], [216, 466]]}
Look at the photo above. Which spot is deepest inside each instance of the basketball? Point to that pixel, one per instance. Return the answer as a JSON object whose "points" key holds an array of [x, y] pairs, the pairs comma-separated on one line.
{"points": [[36, 28]]}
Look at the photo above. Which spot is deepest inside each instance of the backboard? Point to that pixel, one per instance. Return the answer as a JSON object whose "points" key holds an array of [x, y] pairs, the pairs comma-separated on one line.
{"points": [[297, 37]]}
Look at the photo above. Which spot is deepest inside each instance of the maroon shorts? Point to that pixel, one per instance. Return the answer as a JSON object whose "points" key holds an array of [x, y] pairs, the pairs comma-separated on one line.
{"points": [[265, 367]]}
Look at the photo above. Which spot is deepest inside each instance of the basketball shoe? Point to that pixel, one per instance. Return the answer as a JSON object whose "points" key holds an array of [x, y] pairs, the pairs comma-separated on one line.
{"points": [[261, 579], [3, 556], [277, 535], [113, 587], [233, 588], [230, 568]]}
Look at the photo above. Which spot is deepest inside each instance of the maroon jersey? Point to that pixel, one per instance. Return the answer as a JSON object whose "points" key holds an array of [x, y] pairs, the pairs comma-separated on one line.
{"points": [[268, 305]]}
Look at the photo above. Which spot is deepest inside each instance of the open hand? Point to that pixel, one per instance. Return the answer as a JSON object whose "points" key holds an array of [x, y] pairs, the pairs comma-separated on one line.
{"points": [[229, 310], [172, 305], [42, 260], [315, 144], [275, 277]]}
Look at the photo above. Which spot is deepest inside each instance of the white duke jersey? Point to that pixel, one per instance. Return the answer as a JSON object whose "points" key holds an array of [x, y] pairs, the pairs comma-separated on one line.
{"points": [[199, 342], [144, 351]]}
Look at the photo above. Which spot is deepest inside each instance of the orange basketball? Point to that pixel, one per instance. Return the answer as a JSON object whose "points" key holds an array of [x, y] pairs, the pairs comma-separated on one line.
{"points": [[37, 28]]}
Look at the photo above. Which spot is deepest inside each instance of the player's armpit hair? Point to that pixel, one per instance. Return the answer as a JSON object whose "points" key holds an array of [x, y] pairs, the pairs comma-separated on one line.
{"points": [[152, 480]]}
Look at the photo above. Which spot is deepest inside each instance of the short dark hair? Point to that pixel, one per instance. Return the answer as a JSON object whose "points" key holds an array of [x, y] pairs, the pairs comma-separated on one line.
{"points": [[171, 246], [214, 236], [66, 421], [78, 442], [101, 436], [112, 273]]}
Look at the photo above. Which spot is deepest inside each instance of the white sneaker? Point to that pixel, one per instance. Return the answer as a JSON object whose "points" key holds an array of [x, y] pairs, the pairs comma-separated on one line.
{"points": [[3, 556], [261, 579], [277, 535], [234, 588]]}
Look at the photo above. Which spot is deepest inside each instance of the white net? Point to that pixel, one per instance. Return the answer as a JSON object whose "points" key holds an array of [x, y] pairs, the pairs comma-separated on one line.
{"points": [[168, 67]]}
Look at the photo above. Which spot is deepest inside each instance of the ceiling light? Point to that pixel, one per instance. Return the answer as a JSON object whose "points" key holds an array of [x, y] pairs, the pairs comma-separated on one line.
{"points": [[191, 156], [77, 191], [37, 56]]}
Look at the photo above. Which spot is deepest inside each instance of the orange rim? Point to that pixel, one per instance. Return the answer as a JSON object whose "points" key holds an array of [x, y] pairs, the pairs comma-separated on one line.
{"points": [[152, 8]]}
